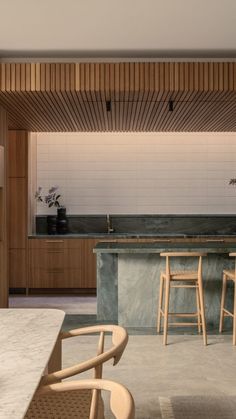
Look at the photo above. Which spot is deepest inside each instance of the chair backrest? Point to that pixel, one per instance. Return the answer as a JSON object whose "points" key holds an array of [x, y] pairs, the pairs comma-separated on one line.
{"points": [[168, 255], [121, 400], [119, 341]]}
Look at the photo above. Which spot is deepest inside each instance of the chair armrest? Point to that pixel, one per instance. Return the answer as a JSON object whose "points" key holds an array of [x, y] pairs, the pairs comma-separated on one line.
{"points": [[121, 400], [92, 329], [118, 334]]}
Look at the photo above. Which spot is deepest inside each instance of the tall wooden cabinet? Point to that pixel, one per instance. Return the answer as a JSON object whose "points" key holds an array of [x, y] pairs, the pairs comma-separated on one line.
{"points": [[17, 207], [3, 211]]}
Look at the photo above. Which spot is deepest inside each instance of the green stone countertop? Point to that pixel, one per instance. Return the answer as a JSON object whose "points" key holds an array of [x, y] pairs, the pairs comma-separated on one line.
{"points": [[131, 236], [108, 247]]}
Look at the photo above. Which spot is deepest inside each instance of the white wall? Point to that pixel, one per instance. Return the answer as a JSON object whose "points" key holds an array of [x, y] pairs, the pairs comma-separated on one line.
{"points": [[143, 173]]}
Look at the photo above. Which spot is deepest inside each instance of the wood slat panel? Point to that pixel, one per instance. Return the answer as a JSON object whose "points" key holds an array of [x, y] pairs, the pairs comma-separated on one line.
{"points": [[72, 96]]}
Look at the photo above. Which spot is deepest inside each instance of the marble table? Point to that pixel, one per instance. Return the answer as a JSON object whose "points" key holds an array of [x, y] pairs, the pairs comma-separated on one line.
{"points": [[28, 341], [128, 280]]}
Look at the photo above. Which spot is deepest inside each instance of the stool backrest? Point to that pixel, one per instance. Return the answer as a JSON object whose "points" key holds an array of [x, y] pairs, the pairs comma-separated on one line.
{"points": [[234, 255], [167, 255]]}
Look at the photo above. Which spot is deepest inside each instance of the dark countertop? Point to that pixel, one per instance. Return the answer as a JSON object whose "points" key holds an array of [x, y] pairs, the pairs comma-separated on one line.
{"points": [[131, 236], [141, 225], [161, 247]]}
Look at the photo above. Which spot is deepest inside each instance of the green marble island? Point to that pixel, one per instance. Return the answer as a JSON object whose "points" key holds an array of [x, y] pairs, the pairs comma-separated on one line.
{"points": [[128, 280]]}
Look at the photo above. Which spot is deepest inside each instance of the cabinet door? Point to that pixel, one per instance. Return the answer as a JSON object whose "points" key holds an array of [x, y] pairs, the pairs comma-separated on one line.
{"points": [[17, 207], [17, 153], [17, 268]]}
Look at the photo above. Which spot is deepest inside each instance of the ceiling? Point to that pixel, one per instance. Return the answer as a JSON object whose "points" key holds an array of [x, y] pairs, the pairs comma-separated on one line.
{"points": [[111, 28], [119, 96], [172, 38]]}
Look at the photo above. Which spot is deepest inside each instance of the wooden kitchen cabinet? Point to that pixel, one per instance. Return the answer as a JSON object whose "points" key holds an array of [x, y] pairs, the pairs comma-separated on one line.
{"points": [[58, 263], [18, 154], [64, 263], [18, 268], [17, 213], [17, 203]]}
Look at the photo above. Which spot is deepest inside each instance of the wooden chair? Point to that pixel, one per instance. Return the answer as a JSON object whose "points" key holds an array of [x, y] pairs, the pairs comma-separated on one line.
{"points": [[119, 338], [181, 279], [57, 401], [228, 275]]}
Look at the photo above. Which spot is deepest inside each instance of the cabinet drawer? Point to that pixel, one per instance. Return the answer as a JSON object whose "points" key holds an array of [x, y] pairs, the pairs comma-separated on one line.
{"points": [[48, 259], [56, 278], [57, 244], [75, 243], [46, 278]]}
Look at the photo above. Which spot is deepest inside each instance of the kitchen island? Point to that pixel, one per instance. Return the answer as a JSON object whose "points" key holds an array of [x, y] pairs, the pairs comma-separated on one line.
{"points": [[128, 280]]}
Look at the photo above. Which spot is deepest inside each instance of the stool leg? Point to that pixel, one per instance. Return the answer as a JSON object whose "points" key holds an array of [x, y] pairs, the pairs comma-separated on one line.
{"points": [[159, 315], [234, 321], [166, 310], [201, 297], [222, 304], [198, 311]]}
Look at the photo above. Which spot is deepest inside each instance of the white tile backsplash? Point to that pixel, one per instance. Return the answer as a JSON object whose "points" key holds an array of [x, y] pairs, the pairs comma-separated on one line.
{"points": [[173, 173]]}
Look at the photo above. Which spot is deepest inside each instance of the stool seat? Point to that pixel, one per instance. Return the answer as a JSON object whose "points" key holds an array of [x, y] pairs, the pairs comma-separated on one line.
{"points": [[230, 273], [181, 275]]}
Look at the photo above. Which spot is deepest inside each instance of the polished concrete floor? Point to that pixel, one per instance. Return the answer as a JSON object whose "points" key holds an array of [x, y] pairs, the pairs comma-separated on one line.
{"points": [[154, 374], [71, 304]]}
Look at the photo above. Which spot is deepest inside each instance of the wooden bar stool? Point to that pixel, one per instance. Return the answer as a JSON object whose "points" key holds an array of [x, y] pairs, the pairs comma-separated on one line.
{"points": [[228, 275], [181, 279]]}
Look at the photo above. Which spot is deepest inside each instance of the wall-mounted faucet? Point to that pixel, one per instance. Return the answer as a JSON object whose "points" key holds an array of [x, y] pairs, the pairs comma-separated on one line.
{"points": [[110, 229]]}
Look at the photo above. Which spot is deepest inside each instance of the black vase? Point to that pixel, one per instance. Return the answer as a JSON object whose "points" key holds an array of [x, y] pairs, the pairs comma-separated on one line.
{"points": [[62, 221], [52, 224]]}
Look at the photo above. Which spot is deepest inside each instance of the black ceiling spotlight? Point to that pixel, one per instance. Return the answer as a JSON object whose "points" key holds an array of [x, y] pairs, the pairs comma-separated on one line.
{"points": [[171, 105], [108, 106]]}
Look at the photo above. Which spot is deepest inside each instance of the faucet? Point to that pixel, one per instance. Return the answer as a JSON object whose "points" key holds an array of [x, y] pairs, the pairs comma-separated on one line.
{"points": [[110, 229]]}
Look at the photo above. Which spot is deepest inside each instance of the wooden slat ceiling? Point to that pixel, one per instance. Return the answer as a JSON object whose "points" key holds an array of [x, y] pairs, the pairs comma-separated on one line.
{"points": [[74, 96]]}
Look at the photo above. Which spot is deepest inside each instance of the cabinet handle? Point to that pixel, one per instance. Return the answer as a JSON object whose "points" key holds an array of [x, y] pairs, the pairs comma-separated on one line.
{"points": [[215, 240], [54, 241]]}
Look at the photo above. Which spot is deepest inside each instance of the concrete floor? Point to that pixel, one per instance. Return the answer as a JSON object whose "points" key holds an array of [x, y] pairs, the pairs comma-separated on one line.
{"points": [[152, 372], [71, 304]]}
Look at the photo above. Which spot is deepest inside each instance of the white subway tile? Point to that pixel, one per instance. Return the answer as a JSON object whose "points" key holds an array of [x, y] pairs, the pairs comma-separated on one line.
{"points": [[139, 173]]}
